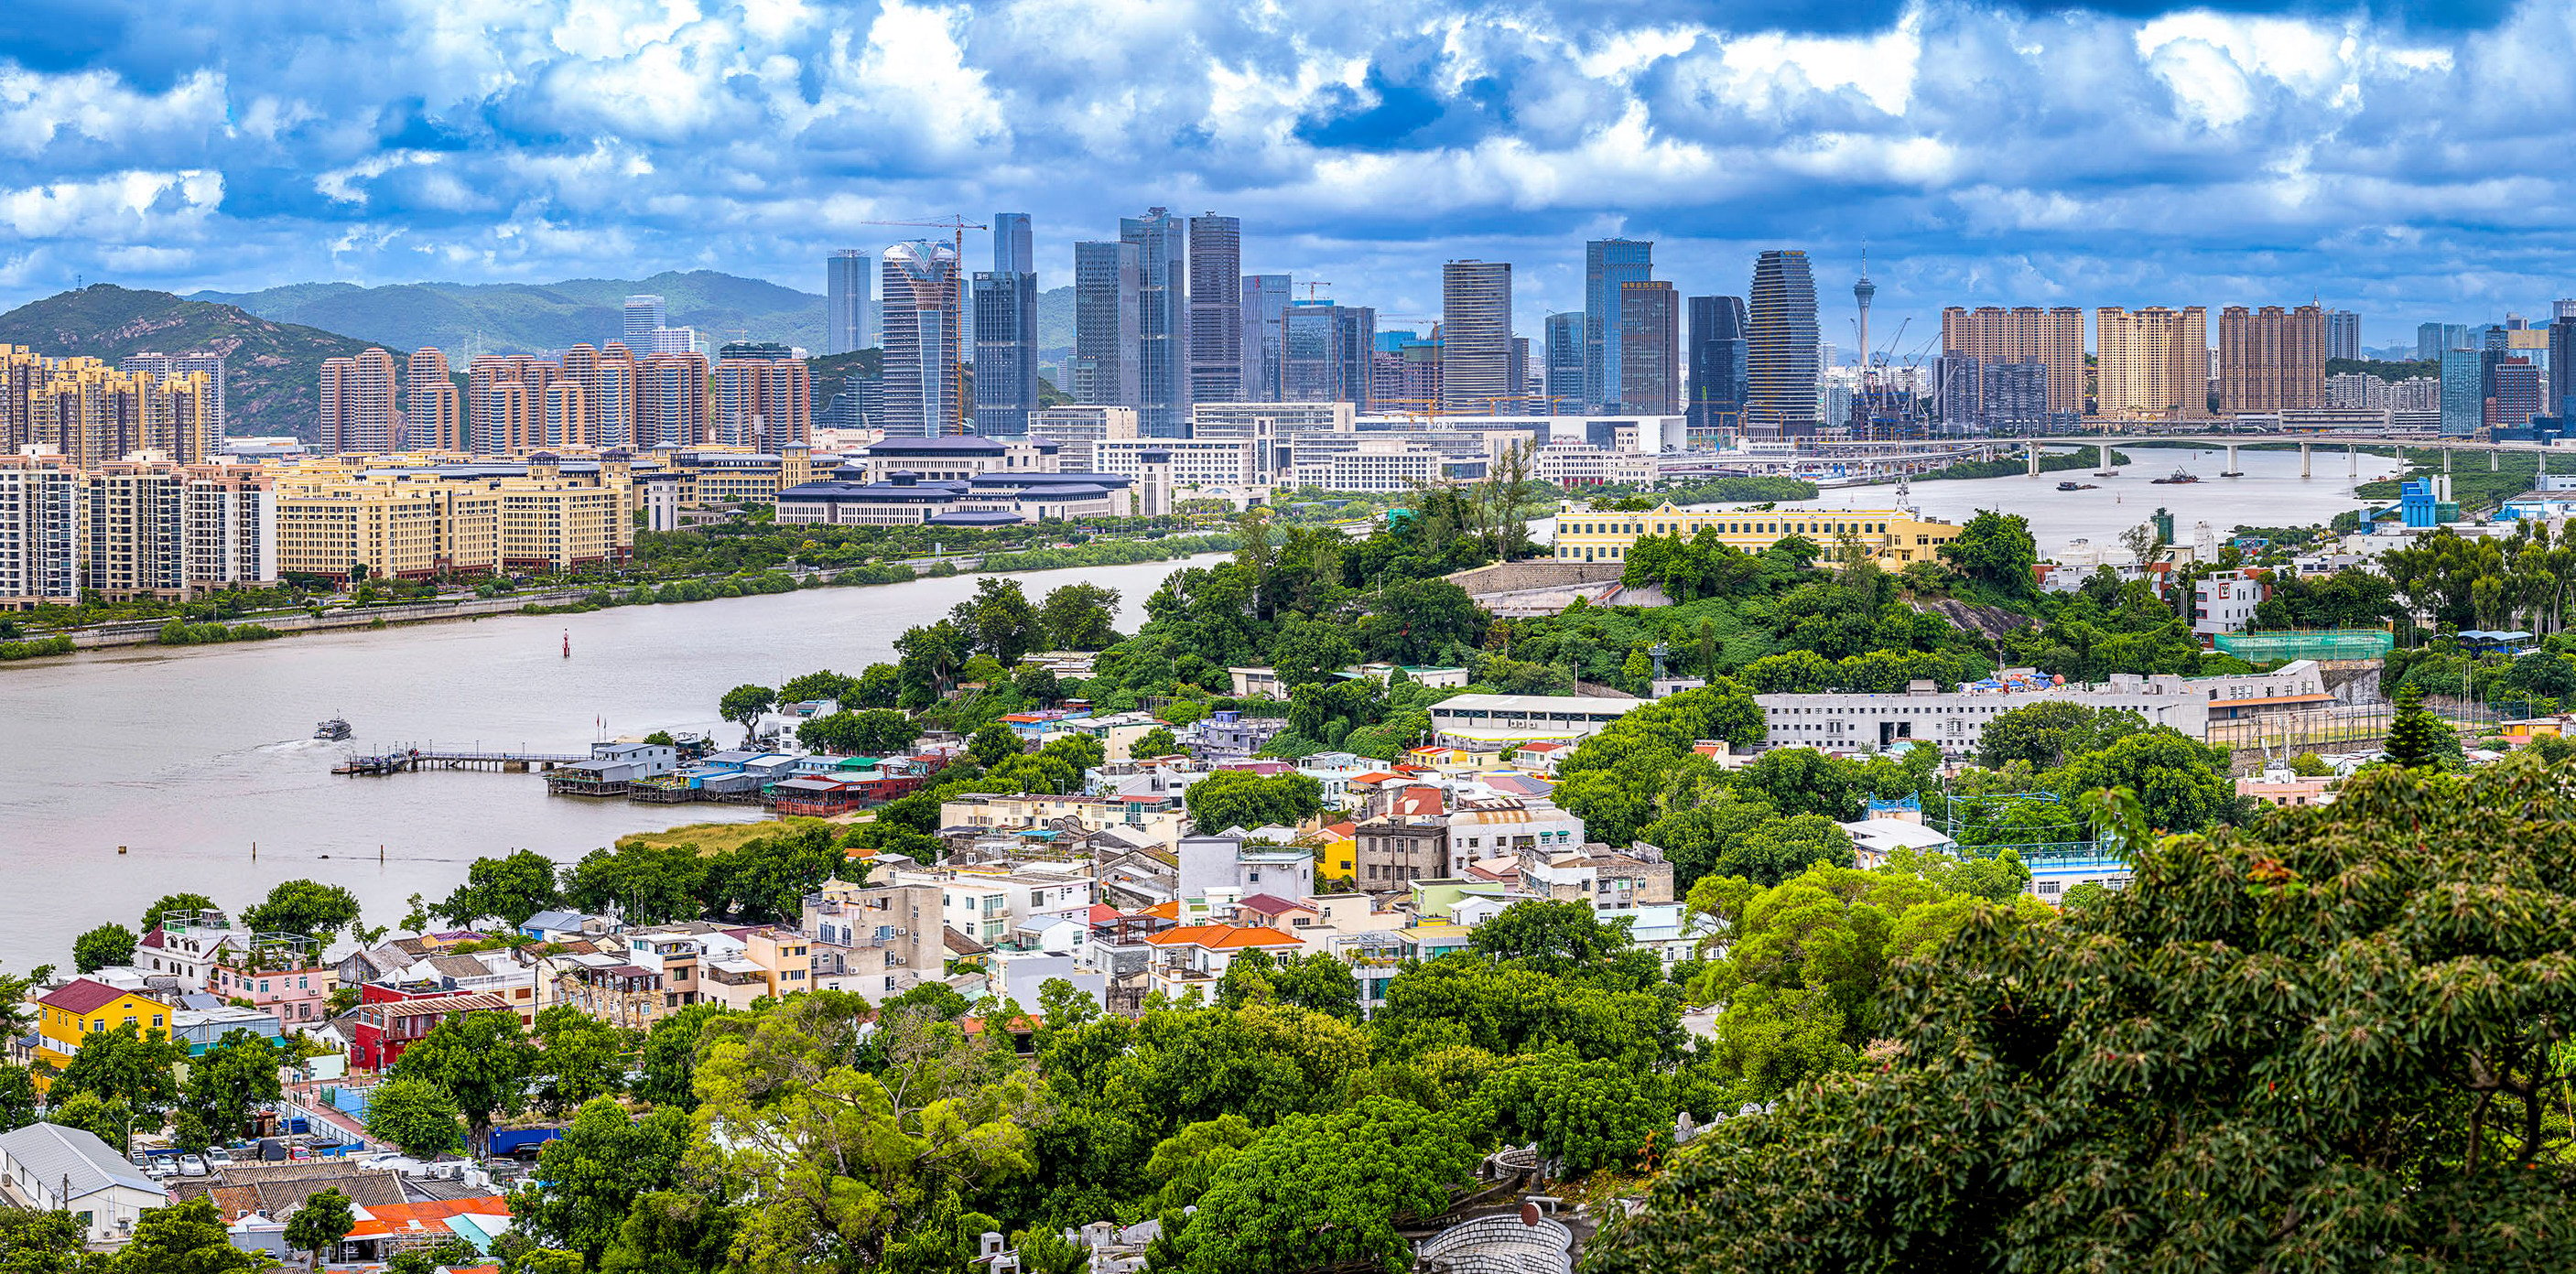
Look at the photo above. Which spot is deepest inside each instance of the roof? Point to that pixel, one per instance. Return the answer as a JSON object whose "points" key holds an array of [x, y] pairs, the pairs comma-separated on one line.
{"points": [[554, 920], [86, 995], [961, 444], [432, 1216], [1272, 905], [54, 1155], [1224, 937], [466, 1003], [248, 1188], [1534, 705], [2264, 699]]}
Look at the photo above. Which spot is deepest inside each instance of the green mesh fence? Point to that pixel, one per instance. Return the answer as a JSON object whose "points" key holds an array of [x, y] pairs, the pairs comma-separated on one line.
{"points": [[2342, 643]]}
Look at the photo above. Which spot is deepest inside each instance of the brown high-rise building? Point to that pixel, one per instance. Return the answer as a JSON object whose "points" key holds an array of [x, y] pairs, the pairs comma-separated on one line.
{"points": [[2271, 359], [92, 414], [761, 403], [1650, 348], [358, 404], [2151, 364], [433, 417], [2054, 336]]}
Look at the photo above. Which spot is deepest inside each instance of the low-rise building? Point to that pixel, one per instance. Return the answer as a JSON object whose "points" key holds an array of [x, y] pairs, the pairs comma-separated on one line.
{"points": [[1514, 719], [288, 979], [53, 1168], [1192, 957], [2225, 602], [1895, 537], [83, 1007], [379, 1030], [1955, 720], [1391, 855]]}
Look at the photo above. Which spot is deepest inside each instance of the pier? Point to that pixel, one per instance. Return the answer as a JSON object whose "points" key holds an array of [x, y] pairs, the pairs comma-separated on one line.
{"points": [[406, 760]]}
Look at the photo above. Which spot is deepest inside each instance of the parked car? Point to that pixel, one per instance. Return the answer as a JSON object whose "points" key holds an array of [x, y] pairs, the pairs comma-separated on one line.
{"points": [[192, 1166], [160, 1169], [218, 1157]]}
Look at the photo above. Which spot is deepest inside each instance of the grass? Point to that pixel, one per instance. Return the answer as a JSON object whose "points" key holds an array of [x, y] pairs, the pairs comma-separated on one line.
{"points": [[718, 838]]}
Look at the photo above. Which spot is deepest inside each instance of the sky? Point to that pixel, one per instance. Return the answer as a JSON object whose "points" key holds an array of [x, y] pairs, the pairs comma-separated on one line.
{"points": [[2406, 160]]}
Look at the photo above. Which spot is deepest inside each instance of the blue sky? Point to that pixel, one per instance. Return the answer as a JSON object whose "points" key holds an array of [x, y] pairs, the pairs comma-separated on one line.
{"points": [[2406, 160]]}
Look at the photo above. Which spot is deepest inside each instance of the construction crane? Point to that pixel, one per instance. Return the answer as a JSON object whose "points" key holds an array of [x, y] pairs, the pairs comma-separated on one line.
{"points": [[957, 228], [1310, 285]]}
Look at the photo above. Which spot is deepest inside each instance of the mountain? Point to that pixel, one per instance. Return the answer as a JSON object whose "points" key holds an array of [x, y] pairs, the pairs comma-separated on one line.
{"points": [[527, 318], [1055, 318], [272, 370]]}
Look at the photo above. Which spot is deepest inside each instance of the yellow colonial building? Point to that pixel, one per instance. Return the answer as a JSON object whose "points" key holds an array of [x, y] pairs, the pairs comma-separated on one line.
{"points": [[83, 1006], [1895, 537]]}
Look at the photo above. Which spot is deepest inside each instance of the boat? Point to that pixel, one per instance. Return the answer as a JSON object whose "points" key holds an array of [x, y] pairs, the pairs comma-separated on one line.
{"points": [[334, 729], [2179, 478], [2075, 486]]}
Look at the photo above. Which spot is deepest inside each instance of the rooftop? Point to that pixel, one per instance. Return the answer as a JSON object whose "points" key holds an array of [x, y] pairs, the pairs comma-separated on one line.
{"points": [[85, 995]]}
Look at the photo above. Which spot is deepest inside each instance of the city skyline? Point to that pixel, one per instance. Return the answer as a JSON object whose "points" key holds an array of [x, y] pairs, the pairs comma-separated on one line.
{"points": [[215, 148]]}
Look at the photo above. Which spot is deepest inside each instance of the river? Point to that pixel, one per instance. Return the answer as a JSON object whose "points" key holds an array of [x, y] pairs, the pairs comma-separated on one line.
{"points": [[189, 757]]}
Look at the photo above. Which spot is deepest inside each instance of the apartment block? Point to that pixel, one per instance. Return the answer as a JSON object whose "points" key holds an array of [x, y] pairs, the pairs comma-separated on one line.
{"points": [[2054, 336], [2271, 359], [2152, 363]]}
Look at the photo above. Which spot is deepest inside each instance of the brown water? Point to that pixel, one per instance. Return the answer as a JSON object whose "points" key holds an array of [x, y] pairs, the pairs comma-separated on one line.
{"points": [[189, 757]]}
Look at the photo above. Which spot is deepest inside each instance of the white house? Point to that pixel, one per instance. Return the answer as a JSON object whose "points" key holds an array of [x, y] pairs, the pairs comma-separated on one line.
{"points": [[53, 1168]]}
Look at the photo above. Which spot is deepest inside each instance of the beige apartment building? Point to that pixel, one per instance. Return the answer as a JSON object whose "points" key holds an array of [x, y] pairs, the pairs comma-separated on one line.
{"points": [[90, 413], [2054, 336], [2271, 359], [423, 521], [131, 528], [2152, 363]]}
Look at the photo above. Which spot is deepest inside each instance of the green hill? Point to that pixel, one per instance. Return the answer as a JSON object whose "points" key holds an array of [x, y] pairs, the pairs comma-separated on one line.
{"points": [[272, 370], [513, 318]]}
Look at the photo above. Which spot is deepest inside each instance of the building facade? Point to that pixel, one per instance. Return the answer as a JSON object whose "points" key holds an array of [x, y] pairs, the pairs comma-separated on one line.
{"points": [[924, 377], [847, 285], [2152, 363], [2054, 336], [1476, 338], [1717, 363], [1891, 536], [1562, 357], [1216, 308], [1781, 355], [1006, 350], [1105, 317], [1265, 313], [2271, 359], [1608, 266], [1650, 347], [1163, 322]]}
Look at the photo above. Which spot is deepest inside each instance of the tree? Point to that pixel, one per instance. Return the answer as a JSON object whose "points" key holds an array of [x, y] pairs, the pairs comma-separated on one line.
{"points": [[650, 884], [825, 685], [595, 1171], [672, 1232], [184, 1238], [1319, 983], [998, 620], [579, 1058], [2416, 738], [992, 744], [1310, 651], [1158, 741], [1080, 617], [319, 1223], [236, 1074], [483, 1061], [1586, 1115], [2094, 1093], [18, 1097], [507, 889], [1240, 798], [306, 907], [34, 1242], [100, 947], [745, 705], [2051, 733], [431, 1257], [126, 1065], [1552, 937], [170, 903], [1997, 549], [876, 732], [416, 1115], [110, 1121], [1417, 621], [2182, 784], [668, 1061], [1320, 1191]]}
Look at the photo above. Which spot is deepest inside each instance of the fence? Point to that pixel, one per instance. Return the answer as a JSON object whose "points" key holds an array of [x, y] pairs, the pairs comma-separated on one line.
{"points": [[2309, 731]]}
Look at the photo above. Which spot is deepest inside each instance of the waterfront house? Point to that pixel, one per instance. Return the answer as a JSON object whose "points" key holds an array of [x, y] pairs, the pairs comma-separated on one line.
{"points": [[82, 1007], [380, 1030], [52, 1168], [186, 945]]}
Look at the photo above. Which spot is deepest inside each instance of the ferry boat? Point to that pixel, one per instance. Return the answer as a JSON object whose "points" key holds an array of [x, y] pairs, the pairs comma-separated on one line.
{"points": [[334, 729], [2179, 478], [2075, 486]]}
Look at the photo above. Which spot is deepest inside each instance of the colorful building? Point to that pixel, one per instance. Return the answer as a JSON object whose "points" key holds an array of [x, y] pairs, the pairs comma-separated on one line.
{"points": [[83, 1007], [1893, 536]]}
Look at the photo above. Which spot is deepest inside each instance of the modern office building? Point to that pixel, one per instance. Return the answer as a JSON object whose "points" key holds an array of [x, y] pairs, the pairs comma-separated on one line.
{"points": [[1216, 308], [922, 309], [2432, 340], [1006, 330], [1074, 430], [2464, 392], [2271, 359], [359, 412], [847, 285], [1163, 322], [1650, 347], [1265, 323], [2343, 334], [2012, 396], [1326, 353], [1105, 317], [1716, 362], [1781, 344], [1476, 339], [1608, 265], [168, 366], [2515, 394], [645, 315], [1563, 388], [2054, 336], [2152, 363], [2562, 363]]}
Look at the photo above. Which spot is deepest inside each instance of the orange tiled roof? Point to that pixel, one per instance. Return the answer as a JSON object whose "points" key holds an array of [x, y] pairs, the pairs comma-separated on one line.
{"points": [[1223, 937], [432, 1216], [1164, 911]]}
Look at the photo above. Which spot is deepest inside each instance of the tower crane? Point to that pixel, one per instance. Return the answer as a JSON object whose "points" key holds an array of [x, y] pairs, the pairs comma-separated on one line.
{"points": [[957, 226]]}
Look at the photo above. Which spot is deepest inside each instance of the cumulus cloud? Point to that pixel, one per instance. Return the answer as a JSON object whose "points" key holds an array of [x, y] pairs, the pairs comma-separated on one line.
{"points": [[2389, 157]]}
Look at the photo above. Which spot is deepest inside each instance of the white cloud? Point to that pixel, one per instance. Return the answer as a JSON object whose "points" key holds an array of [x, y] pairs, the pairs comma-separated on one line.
{"points": [[118, 209]]}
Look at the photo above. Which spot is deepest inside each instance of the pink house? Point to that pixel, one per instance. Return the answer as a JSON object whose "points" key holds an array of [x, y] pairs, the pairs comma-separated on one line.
{"points": [[298, 995]]}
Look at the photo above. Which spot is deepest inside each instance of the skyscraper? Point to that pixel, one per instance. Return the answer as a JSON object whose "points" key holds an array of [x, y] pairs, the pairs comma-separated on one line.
{"points": [[759, 400], [644, 316], [1476, 338], [2464, 392], [433, 417], [1265, 310], [1105, 316], [1327, 353], [846, 290], [1780, 344], [921, 340], [2562, 363], [166, 366], [358, 411], [671, 400], [1163, 322], [2432, 340], [1608, 264], [1006, 331], [1216, 308], [2343, 334], [1649, 347], [1564, 362], [2054, 336], [2152, 363], [1716, 362], [2271, 359]]}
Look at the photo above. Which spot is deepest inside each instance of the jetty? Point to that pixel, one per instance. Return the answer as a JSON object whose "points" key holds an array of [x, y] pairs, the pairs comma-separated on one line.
{"points": [[406, 760]]}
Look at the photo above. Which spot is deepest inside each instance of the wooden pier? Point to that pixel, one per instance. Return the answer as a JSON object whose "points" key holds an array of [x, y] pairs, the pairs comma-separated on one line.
{"points": [[409, 759]]}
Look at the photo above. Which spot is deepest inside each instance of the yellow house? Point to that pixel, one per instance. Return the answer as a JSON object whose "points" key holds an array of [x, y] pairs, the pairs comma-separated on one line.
{"points": [[1895, 537], [83, 1006], [1339, 859]]}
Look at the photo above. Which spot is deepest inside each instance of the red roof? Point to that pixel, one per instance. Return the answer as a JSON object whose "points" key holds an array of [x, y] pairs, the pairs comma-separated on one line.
{"points": [[84, 995], [154, 939], [1272, 905], [1345, 829], [398, 1218], [1224, 937], [1414, 801], [1375, 776]]}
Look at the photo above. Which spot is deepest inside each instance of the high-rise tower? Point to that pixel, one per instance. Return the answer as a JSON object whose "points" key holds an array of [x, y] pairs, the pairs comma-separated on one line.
{"points": [[1780, 344], [921, 321], [1265, 309], [1476, 338], [1006, 331], [1216, 308], [1163, 324], [1716, 362], [846, 288], [1105, 314], [1608, 264]]}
